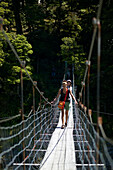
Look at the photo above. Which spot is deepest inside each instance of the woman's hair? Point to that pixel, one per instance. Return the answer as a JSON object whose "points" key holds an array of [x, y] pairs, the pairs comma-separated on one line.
{"points": [[64, 82]]}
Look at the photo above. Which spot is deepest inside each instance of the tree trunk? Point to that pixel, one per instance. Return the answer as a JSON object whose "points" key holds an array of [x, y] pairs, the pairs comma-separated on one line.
{"points": [[16, 9]]}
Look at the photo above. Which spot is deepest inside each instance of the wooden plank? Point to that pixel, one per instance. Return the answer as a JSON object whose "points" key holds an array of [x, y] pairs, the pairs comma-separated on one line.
{"points": [[90, 165], [61, 152], [31, 164], [84, 150], [44, 150], [26, 164]]}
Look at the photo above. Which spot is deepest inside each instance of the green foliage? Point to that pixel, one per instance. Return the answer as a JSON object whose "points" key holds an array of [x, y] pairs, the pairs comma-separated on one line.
{"points": [[11, 66], [4, 12], [1, 51], [73, 53], [22, 47]]}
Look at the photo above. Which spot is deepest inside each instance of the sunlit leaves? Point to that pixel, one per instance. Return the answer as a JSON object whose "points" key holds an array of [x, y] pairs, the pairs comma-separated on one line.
{"points": [[4, 11], [73, 53], [9, 62]]}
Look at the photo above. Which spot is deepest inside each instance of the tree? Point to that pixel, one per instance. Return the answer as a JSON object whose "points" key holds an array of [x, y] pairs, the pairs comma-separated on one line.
{"points": [[10, 71], [11, 66], [16, 9], [73, 53]]}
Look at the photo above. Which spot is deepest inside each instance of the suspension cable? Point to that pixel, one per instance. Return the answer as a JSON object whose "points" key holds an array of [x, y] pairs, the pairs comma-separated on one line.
{"points": [[92, 42], [10, 118]]}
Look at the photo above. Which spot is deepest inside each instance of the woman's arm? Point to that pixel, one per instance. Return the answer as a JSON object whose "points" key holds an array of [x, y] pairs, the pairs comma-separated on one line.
{"points": [[59, 92], [73, 97]]}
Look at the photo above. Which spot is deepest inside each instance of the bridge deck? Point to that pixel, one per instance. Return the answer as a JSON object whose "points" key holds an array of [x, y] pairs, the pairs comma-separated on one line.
{"points": [[61, 152]]}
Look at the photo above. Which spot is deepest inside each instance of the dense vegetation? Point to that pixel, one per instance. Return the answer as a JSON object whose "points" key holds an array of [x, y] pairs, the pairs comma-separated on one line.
{"points": [[45, 34]]}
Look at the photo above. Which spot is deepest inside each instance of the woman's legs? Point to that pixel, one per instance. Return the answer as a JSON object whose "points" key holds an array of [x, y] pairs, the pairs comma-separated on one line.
{"points": [[66, 116], [66, 112], [62, 116]]}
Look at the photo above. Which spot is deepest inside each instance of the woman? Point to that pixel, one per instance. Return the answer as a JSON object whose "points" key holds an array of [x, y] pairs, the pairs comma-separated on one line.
{"points": [[62, 92]]}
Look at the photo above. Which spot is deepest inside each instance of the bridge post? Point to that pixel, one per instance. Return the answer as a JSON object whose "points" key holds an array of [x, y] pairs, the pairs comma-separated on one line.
{"points": [[85, 109], [90, 119], [41, 113], [46, 115], [22, 66], [83, 83], [98, 82], [34, 85], [80, 96], [88, 65], [23, 144], [90, 114], [22, 108]]}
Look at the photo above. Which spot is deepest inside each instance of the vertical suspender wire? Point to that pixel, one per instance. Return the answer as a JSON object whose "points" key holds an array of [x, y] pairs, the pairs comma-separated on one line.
{"points": [[98, 81]]}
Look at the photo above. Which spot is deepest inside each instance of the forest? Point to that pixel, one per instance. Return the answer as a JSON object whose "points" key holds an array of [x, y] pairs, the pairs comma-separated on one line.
{"points": [[47, 34]]}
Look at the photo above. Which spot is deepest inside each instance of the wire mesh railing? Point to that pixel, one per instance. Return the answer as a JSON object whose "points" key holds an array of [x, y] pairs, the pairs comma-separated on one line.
{"points": [[86, 136], [30, 139]]}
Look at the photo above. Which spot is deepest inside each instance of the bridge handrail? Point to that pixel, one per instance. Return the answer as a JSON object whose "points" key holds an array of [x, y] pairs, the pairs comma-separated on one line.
{"points": [[10, 118], [97, 136]]}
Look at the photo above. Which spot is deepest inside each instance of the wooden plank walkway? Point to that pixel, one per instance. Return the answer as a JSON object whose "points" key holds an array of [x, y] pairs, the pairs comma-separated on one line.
{"points": [[60, 154]]}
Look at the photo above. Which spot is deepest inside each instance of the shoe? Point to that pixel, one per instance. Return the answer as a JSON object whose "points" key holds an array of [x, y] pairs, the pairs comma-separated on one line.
{"points": [[62, 127], [65, 124]]}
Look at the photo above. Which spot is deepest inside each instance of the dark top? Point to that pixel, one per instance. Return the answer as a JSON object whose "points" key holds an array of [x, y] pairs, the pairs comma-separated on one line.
{"points": [[63, 96]]}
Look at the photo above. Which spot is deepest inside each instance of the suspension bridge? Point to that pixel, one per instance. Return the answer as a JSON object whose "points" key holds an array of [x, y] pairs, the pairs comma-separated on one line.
{"points": [[38, 142]]}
